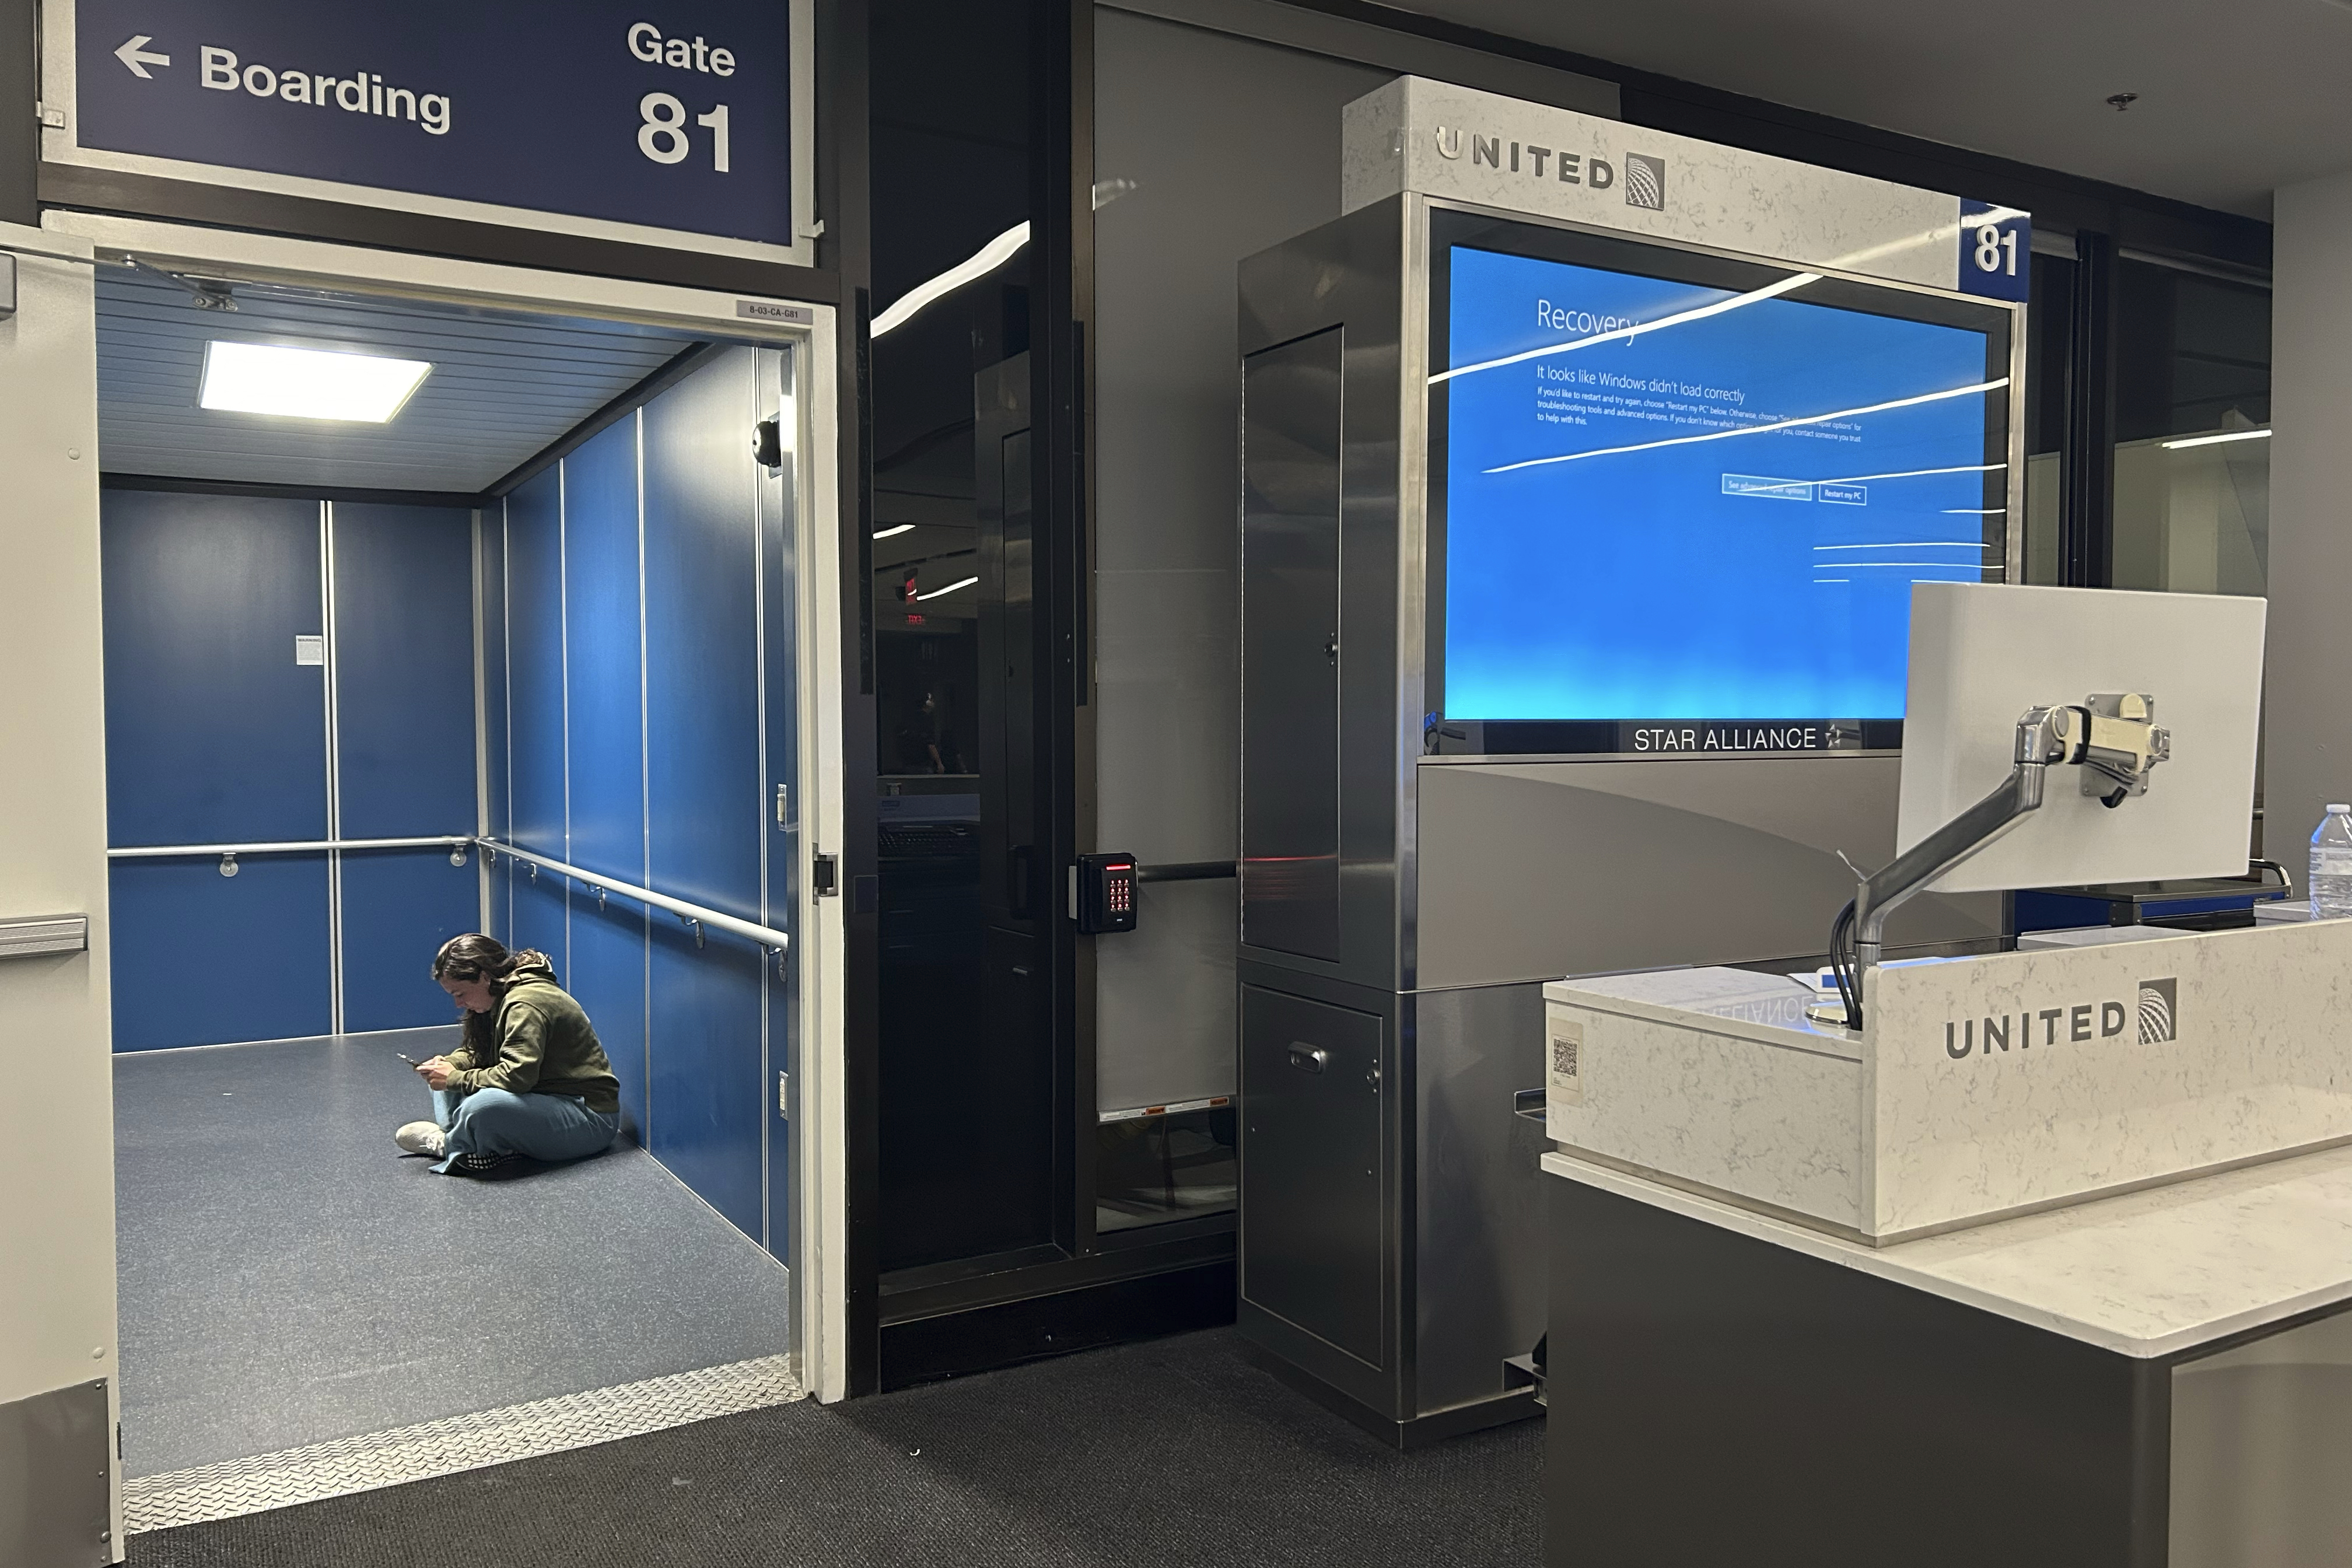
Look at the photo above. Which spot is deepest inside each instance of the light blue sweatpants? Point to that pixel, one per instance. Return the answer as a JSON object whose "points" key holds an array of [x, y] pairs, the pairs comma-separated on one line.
{"points": [[550, 1127]]}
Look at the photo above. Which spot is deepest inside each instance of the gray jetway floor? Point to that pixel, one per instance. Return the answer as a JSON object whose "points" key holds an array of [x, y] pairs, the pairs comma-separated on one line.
{"points": [[1172, 1454], [287, 1277]]}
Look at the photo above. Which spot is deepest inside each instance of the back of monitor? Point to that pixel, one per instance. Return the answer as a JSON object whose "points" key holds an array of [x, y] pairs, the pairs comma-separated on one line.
{"points": [[1983, 653]]}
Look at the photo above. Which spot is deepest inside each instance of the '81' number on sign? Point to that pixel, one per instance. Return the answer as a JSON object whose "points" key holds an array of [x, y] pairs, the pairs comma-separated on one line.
{"points": [[664, 138], [1996, 249]]}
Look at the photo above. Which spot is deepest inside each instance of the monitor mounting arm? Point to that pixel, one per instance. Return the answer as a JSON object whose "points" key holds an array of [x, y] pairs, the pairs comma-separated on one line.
{"points": [[2115, 739]]}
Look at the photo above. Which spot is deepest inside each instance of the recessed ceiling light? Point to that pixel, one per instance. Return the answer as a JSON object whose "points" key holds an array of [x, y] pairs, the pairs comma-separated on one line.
{"points": [[307, 383]]}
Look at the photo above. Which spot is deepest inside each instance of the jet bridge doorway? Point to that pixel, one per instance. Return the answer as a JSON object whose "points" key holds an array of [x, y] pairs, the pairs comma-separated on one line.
{"points": [[549, 653]]}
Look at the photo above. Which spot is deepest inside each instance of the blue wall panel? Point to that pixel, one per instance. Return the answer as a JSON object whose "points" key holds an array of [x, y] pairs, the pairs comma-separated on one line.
{"points": [[702, 696], [542, 917], [214, 734], [705, 780], [201, 958], [606, 762], [707, 1091], [499, 918], [600, 552], [608, 979], [662, 782], [399, 907], [404, 670], [534, 530]]}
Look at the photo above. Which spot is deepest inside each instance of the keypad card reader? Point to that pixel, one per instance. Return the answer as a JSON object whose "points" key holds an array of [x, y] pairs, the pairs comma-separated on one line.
{"points": [[1106, 900]]}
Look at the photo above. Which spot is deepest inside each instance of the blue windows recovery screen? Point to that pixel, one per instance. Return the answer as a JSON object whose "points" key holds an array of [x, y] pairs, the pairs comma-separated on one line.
{"points": [[1717, 516]]}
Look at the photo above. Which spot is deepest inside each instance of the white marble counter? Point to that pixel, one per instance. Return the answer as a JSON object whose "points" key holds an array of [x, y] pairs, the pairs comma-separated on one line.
{"points": [[1983, 1087], [2152, 1273], [1769, 1009], [2095, 936]]}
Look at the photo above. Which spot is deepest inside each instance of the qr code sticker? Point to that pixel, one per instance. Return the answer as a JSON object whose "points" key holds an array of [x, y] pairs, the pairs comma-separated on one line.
{"points": [[1564, 1050], [1567, 1063]]}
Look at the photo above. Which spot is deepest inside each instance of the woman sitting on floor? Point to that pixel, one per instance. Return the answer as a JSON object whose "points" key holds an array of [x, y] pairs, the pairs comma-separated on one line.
{"points": [[528, 1080]]}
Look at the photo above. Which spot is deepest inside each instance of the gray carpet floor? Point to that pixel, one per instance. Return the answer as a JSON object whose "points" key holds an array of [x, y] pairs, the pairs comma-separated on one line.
{"points": [[287, 1277], [1176, 1453]]}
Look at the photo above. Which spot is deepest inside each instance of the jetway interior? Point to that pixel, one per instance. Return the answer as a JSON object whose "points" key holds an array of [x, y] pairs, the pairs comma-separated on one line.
{"points": [[366, 685]]}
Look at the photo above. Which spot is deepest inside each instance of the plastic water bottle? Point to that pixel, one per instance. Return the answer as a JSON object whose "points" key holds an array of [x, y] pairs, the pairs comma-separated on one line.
{"points": [[2331, 866]]}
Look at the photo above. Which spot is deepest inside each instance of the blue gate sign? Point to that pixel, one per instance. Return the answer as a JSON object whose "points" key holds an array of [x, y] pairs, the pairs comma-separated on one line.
{"points": [[648, 120], [1996, 251]]}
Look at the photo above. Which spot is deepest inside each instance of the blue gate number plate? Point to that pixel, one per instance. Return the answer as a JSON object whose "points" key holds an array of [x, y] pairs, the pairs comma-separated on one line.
{"points": [[671, 115], [1996, 251]]}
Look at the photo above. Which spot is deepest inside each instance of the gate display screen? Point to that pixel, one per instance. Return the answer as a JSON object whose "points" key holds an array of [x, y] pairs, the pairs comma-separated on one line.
{"points": [[1699, 491]]}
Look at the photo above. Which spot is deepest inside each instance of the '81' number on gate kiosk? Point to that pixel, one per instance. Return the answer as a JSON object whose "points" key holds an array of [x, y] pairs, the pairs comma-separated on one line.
{"points": [[664, 138], [1996, 246]]}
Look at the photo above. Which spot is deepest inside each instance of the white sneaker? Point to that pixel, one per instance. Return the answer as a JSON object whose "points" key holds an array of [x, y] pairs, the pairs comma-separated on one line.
{"points": [[421, 1138]]}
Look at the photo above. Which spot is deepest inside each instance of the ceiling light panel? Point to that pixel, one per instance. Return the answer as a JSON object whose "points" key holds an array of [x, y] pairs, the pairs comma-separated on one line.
{"points": [[307, 383]]}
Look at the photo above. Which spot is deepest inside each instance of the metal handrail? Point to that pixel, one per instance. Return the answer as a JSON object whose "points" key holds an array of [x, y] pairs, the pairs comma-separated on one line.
{"points": [[696, 915], [284, 847], [776, 942]]}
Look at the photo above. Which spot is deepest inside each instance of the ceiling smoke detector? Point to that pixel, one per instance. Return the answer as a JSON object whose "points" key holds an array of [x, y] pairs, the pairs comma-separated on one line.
{"points": [[2119, 102]]}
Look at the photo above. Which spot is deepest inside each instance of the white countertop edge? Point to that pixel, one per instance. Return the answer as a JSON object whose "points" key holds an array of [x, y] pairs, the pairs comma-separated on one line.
{"points": [[1842, 1046], [1887, 1264]]}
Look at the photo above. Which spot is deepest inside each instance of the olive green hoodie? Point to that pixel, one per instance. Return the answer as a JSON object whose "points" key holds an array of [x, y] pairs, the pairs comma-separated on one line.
{"points": [[537, 1041]]}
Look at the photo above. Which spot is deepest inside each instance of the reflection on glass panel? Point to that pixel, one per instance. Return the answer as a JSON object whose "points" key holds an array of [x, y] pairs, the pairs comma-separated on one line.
{"points": [[1152, 1169], [2193, 427], [2044, 480], [964, 1088], [2193, 517], [2049, 327], [1167, 619]]}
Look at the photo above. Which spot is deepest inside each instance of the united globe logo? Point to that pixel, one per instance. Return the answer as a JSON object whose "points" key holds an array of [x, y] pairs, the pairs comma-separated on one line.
{"points": [[1645, 182], [2159, 1000]]}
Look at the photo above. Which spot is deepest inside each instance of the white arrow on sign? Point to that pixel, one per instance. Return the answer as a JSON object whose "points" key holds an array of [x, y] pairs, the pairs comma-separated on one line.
{"points": [[135, 56]]}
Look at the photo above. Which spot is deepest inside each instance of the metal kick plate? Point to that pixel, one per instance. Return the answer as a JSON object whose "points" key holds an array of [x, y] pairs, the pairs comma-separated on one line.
{"points": [[54, 1456]]}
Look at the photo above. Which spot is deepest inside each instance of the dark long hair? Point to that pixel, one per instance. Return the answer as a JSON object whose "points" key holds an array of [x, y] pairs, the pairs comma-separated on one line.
{"points": [[475, 957]]}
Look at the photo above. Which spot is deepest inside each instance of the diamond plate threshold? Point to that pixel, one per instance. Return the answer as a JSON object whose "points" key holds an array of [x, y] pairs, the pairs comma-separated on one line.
{"points": [[445, 1448]]}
